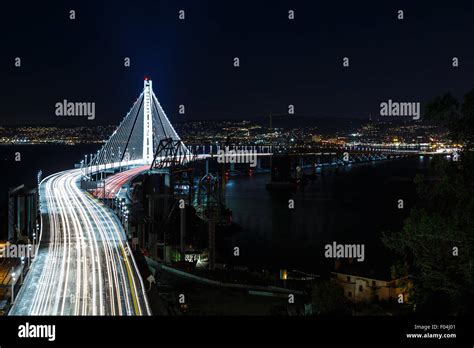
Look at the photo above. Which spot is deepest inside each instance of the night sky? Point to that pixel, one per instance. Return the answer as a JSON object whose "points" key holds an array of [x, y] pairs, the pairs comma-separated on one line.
{"points": [[283, 62]]}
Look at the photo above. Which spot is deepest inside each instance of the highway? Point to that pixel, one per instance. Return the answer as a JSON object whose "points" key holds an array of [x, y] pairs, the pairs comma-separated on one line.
{"points": [[83, 266], [114, 183]]}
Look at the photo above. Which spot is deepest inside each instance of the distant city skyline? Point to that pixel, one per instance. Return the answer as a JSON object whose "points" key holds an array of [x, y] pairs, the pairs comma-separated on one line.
{"points": [[245, 132]]}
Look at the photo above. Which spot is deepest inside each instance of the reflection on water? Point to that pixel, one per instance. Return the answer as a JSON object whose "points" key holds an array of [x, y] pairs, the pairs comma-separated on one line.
{"points": [[350, 205]]}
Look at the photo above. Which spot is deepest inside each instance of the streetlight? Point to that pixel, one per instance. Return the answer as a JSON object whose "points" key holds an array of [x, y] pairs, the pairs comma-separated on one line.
{"points": [[91, 163], [29, 255], [82, 168], [85, 165], [13, 286], [22, 267], [97, 166]]}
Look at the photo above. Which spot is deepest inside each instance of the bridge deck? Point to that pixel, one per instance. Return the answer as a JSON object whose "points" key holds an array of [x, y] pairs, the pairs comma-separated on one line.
{"points": [[83, 266]]}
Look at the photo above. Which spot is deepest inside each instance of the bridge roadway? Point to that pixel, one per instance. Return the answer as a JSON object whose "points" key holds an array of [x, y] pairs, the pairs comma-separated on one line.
{"points": [[83, 265], [114, 183]]}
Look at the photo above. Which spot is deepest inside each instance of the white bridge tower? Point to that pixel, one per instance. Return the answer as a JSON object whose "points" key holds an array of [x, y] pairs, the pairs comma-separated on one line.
{"points": [[148, 149]]}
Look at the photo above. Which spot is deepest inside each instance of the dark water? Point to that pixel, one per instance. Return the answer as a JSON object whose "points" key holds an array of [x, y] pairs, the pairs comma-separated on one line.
{"points": [[352, 205]]}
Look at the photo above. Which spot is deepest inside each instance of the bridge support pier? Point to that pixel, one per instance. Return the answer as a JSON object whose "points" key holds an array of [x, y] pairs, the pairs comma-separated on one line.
{"points": [[182, 233]]}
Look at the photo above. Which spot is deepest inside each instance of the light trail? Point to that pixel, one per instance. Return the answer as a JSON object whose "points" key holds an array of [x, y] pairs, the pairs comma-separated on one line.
{"points": [[114, 183], [83, 266]]}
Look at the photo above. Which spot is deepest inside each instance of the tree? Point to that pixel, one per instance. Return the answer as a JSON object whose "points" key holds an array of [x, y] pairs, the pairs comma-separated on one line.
{"points": [[437, 239], [457, 117], [328, 299]]}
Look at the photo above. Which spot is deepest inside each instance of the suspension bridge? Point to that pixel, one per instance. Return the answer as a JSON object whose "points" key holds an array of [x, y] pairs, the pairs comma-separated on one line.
{"points": [[83, 264]]}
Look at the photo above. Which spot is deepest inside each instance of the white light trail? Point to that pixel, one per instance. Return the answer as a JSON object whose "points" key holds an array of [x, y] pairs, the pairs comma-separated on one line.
{"points": [[85, 269]]}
